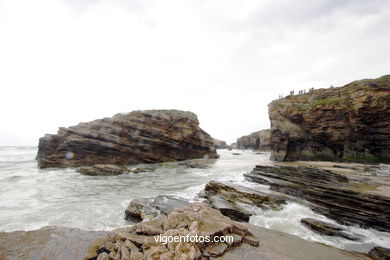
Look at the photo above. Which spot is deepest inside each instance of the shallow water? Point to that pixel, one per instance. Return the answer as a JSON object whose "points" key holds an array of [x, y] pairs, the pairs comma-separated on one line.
{"points": [[31, 198]]}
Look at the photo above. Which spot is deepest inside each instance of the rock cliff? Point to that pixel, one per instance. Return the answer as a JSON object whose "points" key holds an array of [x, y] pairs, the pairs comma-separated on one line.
{"points": [[345, 123], [137, 137], [260, 140], [219, 144]]}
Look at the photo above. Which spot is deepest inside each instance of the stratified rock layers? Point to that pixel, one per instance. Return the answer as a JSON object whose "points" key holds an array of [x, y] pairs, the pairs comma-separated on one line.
{"points": [[260, 140], [328, 193], [351, 123], [137, 137]]}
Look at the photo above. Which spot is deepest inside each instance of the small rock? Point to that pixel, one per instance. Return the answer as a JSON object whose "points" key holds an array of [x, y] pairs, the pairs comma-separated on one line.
{"points": [[193, 165], [139, 170], [102, 170]]}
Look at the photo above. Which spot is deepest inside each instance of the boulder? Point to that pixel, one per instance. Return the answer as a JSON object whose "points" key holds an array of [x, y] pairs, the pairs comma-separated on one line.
{"points": [[147, 208], [349, 123], [138, 137], [328, 193]]}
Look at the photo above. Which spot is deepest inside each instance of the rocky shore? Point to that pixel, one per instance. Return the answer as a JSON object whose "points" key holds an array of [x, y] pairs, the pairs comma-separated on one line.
{"points": [[138, 137], [349, 123], [328, 193], [138, 242]]}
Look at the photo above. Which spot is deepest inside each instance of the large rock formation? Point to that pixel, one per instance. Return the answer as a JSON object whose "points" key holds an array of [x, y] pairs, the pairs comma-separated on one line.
{"points": [[328, 193], [219, 144], [260, 140], [137, 137], [350, 122]]}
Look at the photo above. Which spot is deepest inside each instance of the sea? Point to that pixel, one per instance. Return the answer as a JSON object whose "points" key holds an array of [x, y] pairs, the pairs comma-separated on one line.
{"points": [[31, 198]]}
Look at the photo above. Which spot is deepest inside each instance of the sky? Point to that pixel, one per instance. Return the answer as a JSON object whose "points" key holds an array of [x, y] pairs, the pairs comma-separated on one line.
{"points": [[68, 61]]}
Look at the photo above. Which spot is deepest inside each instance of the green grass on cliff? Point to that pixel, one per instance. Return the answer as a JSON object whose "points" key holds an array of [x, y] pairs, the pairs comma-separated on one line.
{"points": [[326, 101], [386, 97]]}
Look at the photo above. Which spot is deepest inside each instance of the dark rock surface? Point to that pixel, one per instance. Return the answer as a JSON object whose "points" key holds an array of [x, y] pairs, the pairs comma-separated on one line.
{"points": [[148, 208], [110, 170], [102, 170], [232, 200], [328, 194], [138, 137], [380, 253], [327, 229], [260, 140], [347, 123], [195, 165]]}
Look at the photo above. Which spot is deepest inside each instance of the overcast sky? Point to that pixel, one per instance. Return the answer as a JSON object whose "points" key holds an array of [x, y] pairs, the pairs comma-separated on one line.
{"points": [[63, 62]]}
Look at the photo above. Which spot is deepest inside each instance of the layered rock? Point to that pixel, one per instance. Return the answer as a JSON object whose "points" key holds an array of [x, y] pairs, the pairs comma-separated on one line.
{"points": [[219, 144], [138, 137], [233, 200], [260, 140], [350, 123], [327, 229], [327, 193]]}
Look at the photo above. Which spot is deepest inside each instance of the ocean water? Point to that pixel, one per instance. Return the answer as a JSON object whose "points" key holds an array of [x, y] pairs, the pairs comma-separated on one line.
{"points": [[31, 198]]}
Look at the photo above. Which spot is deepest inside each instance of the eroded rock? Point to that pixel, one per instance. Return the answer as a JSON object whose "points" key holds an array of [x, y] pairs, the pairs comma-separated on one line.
{"points": [[328, 194], [327, 229], [260, 140], [194, 220], [346, 123], [148, 208], [138, 137], [232, 199]]}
